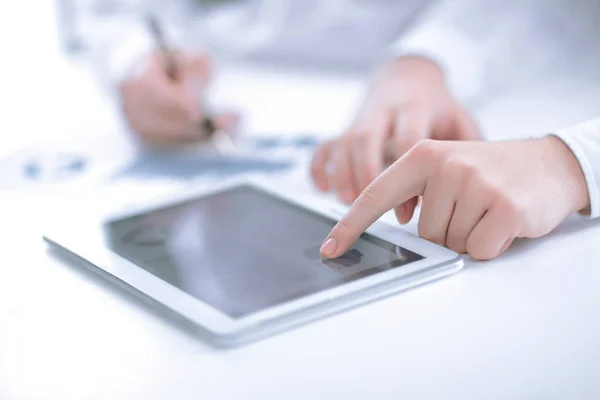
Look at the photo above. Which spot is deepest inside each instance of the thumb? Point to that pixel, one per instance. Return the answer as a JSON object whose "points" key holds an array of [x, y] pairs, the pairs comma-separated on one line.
{"points": [[405, 211]]}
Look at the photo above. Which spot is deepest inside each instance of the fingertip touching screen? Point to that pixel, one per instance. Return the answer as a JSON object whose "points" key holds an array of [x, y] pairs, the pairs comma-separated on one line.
{"points": [[243, 250]]}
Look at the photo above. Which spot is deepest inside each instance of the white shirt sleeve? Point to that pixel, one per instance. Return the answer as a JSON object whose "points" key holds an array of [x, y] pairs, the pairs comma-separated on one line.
{"points": [[584, 142], [122, 53], [127, 43], [456, 54], [490, 47]]}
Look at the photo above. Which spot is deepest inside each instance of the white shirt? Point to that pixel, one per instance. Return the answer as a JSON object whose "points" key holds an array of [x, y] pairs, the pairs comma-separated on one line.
{"points": [[584, 142], [487, 48]]}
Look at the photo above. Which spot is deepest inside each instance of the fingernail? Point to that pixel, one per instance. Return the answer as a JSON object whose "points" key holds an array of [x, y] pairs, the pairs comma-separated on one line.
{"points": [[329, 247]]}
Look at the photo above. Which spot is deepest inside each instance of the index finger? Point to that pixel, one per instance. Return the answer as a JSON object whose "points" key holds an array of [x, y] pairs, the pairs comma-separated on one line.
{"points": [[405, 179]]}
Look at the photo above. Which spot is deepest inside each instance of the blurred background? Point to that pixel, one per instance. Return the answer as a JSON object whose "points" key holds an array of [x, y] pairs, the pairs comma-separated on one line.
{"points": [[293, 81], [64, 128]]}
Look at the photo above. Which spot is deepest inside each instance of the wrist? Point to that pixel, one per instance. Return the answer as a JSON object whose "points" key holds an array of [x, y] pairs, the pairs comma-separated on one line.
{"points": [[570, 173]]}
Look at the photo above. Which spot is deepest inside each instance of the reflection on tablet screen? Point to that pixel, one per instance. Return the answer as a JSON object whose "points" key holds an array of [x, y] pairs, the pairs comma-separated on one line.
{"points": [[243, 250]]}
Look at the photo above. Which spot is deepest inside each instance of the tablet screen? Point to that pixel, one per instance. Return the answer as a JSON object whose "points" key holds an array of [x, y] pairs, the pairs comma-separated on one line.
{"points": [[243, 250]]}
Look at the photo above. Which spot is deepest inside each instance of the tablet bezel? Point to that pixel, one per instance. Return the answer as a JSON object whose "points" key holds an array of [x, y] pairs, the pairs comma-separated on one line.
{"points": [[84, 236]]}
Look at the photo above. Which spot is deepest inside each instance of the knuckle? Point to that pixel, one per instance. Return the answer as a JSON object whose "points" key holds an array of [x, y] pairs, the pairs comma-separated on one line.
{"points": [[493, 190], [369, 198], [369, 194], [482, 186], [455, 173], [462, 167], [512, 208], [427, 149]]}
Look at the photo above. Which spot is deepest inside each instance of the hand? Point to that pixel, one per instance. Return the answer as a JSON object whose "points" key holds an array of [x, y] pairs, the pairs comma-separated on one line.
{"points": [[477, 197], [166, 111], [408, 102]]}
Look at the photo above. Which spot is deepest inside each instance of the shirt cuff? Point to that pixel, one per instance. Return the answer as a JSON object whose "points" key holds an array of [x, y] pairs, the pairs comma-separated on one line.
{"points": [[584, 141], [457, 55], [127, 54]]}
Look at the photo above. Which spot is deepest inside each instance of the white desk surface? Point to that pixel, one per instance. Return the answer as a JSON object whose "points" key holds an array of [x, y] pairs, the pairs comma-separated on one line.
{"points": [[524, 326]]}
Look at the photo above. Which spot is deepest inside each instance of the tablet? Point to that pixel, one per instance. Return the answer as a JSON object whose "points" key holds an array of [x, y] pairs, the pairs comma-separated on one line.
{"points": [[241, 261]]}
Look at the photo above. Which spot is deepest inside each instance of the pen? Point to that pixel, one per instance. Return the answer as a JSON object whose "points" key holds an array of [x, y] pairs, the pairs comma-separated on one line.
{"points": [[220, 138], [157, 33]]}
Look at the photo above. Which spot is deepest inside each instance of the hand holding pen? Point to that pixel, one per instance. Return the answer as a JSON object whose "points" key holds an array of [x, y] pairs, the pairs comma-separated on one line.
{"points": [[163, 104]]}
